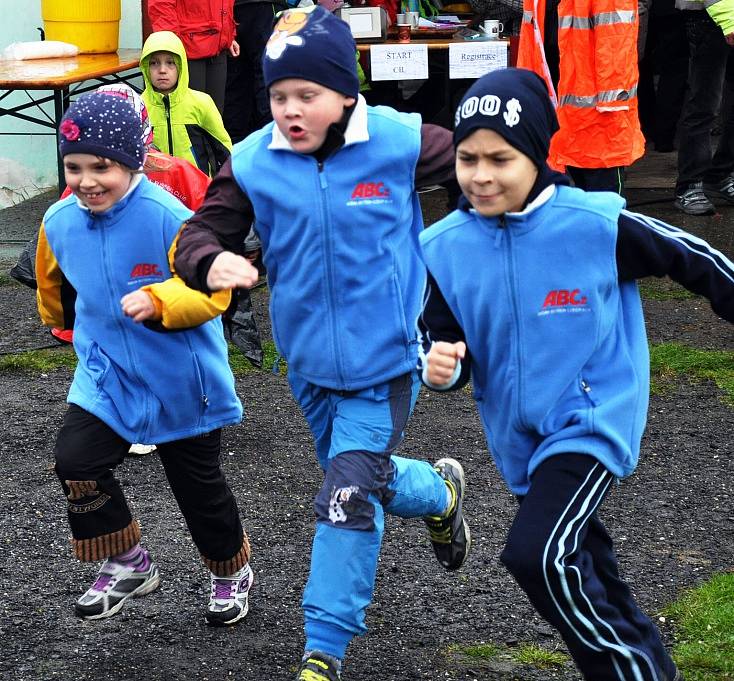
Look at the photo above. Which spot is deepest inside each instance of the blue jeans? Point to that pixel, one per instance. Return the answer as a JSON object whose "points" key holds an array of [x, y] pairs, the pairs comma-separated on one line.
{"points": [[707, 66], [355, 433]]}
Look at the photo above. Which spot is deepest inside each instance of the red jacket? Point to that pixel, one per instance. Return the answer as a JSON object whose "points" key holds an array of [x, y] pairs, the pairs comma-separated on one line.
{"points": [[206, 27], [392, 7]]}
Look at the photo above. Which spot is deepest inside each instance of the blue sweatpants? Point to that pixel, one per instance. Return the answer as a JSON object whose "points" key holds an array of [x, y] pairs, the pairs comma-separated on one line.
{"points": [[355, 433], [562, 557]]}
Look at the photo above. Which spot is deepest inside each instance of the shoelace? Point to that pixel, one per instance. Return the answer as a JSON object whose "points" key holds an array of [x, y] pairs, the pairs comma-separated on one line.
{"points": [[223, 588], [103, 580], [106, 573]]}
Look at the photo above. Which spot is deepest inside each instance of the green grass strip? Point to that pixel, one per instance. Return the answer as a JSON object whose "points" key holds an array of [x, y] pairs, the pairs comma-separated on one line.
{"points": [[652, 292], [704, 625], [43, 361], [673, 359], [39, 361], [524, 654]]}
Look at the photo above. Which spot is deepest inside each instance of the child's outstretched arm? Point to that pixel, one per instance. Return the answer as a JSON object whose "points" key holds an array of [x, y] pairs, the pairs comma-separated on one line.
{"points": [[444, 357], [173, 304], [649, 247], [207, 255]]}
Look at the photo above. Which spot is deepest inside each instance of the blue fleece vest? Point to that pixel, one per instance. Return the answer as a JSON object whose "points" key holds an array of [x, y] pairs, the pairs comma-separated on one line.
{"points": [[148, 386], [340, 243], [559, 353]]}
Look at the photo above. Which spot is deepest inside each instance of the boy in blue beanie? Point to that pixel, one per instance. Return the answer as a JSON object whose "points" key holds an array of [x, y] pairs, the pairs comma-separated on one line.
{"points": [[557, 354], [331, 188], [135, 381]]}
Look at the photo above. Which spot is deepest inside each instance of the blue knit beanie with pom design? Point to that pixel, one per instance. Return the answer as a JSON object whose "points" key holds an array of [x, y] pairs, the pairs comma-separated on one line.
{"points": [[103, 125], [312, 44]]}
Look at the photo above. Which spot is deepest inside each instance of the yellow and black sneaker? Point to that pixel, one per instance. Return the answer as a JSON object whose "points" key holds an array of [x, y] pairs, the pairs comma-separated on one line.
{"points": [[318, 666], [449, 532]]}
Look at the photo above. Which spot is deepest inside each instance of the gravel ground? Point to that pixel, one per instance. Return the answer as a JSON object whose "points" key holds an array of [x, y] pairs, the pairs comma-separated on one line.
{"points": [[672, 522]]}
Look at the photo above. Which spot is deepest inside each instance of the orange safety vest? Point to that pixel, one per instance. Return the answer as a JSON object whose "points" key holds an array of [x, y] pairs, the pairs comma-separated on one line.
{"points": [[596, 102]]}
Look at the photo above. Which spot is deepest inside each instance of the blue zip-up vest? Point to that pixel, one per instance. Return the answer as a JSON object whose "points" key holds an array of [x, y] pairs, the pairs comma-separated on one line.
{"points": [[559, 352], [148, 386], [340, 244]]}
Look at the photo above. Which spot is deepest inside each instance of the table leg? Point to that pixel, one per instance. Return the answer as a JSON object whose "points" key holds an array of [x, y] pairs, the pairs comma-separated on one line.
{"points": [[61, 104]]}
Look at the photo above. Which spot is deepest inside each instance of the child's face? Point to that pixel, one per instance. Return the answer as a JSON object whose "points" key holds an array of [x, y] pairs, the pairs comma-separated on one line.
{"points": [[494, 176], [304, 110], [97, 182], [163, 72]]}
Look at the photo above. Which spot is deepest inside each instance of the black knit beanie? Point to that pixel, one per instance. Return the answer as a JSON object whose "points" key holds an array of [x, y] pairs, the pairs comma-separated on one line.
{"points": [[516, 105], [103, 125], [315, 45]]}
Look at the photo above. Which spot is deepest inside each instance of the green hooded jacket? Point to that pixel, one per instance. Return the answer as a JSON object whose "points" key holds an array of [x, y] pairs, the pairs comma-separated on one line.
{"points": [[186, 123]]}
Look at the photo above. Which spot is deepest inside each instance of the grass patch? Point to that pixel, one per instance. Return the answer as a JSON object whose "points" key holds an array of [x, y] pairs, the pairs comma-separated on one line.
{"points": [[7, 280], [539, 657], [479, 651], [39, 361], [704, 627], [527, 654], [672, 359], [241, 365], [675, 292]]}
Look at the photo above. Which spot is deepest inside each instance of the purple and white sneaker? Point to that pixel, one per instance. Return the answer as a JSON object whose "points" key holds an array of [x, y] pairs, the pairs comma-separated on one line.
{"points": [[228, 601], [115, 583]]}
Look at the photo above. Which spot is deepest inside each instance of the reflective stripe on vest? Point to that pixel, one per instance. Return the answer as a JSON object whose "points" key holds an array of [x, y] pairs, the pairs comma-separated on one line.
{"points": [[601, 19], [604, 97]]}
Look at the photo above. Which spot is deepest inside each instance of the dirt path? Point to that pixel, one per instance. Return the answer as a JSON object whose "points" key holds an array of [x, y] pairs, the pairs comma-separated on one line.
{"points": [[673, 524]]}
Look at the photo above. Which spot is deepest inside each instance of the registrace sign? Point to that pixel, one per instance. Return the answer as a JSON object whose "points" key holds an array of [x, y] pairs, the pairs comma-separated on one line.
{"points": [[474, 59]]}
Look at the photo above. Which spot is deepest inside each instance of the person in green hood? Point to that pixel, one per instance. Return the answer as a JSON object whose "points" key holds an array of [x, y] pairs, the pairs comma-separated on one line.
{"points": [[186, 122]]}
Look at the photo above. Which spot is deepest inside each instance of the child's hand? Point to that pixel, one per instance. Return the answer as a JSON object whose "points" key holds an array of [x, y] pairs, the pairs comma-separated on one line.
{"points": [[138, 305], [231, 271], [442, 359]]}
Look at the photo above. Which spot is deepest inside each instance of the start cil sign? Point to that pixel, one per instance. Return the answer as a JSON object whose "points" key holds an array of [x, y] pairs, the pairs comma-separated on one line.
{"points": [[408, 61]]}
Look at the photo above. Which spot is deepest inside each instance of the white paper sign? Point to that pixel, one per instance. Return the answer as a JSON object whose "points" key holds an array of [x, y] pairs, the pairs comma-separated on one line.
{"points": [[408, 61], [474, 59]]}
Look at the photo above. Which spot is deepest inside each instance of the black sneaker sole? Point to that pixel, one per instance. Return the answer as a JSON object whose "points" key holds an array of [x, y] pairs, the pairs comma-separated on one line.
{"points": [[222, 619]]}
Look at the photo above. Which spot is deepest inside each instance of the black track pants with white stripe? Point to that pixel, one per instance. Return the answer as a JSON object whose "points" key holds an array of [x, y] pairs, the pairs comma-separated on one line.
{"points": [[562, 557]]}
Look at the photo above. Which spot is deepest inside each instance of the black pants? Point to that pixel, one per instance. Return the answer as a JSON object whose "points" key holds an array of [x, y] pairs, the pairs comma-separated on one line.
{"points": [[210, 75], [246, 104], [598, 179], [563, 558], [87, 452], [707, 67]]}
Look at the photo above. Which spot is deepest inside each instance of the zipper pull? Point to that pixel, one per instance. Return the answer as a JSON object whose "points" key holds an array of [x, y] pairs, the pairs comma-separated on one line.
{"points": [[585, 386]]}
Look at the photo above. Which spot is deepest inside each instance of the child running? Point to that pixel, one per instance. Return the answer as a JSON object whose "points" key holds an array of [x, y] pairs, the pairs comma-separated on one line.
{"points": [[331, 188], [186, 122], [532, 290], [136, 381]]}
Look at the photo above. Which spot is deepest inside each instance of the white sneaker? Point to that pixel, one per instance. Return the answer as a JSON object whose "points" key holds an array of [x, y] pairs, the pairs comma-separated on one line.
{"points": [[115, 583], [141, 450], [228, 601]]}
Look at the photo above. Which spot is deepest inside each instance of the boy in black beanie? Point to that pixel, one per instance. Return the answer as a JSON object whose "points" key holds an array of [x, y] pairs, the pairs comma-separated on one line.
{"points": [[330, 186], [543, 279]]}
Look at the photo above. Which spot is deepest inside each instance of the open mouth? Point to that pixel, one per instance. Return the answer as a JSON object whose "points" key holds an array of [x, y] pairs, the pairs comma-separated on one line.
{"points": [[296, 132]]}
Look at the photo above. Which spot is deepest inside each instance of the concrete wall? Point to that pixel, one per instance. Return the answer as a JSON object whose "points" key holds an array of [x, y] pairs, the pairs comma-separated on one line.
{"points": [[28, 157]]}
